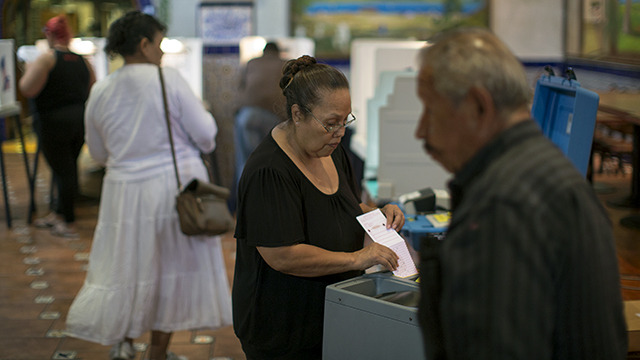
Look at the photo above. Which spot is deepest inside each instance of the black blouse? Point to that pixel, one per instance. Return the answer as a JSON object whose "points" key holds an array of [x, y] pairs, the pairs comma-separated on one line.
{"points": [[275, 314]]}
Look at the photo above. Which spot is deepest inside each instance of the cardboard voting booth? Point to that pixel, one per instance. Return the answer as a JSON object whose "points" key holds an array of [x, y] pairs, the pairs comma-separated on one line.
{"points": [[566, 113], [369, 58], [395, 157], [373, 316]]}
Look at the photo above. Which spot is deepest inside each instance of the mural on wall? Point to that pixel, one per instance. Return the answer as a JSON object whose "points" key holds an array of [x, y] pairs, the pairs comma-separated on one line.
{"points": [[611, 29], [627, 33], [334, 23]]}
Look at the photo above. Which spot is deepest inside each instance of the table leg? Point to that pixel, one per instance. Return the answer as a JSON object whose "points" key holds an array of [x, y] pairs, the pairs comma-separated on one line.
{"points": [[32, 185], [4, 189], [27, 168]]}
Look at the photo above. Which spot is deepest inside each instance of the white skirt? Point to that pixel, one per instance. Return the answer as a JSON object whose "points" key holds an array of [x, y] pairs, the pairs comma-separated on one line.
{"points": [[144, 274]]}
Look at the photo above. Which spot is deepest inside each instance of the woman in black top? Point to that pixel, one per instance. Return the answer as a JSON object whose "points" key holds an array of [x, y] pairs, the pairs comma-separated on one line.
{"points": [[59, 82], [297, 230]]}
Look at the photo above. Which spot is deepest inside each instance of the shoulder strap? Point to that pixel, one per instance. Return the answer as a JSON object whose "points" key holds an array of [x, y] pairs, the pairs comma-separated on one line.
{"points": [[166, 115]]}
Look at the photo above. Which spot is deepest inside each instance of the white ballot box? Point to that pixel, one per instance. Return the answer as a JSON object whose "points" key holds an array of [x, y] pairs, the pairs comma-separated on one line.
{"points": [[373, 316]]}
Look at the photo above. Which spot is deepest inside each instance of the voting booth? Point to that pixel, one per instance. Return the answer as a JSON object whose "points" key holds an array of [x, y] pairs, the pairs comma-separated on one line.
{"points": [[566, 113], [373, 316], [369, 58], [395, 158], [380, 98], [89, 47], [404, 166], [384, 100], [183, 54]]}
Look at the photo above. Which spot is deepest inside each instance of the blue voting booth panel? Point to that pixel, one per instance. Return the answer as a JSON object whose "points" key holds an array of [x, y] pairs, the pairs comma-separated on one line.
{"points": [[566, 113], [418, 226]]}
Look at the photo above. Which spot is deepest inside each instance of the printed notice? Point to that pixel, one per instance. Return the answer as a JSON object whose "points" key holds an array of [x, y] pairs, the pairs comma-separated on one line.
{"points": [[374, 223], [439, 219]]}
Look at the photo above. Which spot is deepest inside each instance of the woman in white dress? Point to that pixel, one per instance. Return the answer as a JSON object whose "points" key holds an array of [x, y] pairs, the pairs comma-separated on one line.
{"points": [[144, 274]]}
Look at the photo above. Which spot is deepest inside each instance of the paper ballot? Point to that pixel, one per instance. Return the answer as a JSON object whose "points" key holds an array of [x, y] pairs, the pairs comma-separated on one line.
{"points": [[374, 223]]}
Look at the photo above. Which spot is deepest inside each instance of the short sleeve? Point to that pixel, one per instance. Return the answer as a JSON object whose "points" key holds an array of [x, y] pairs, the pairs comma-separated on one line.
{"points": [[271, 212]]}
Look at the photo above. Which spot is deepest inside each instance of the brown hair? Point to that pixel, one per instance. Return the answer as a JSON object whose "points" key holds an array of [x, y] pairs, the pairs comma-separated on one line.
{"points": [[303, 79]]}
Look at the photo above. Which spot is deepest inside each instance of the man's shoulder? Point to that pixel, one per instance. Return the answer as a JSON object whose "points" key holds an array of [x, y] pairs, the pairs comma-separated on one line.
{"points": [[532, 168]]}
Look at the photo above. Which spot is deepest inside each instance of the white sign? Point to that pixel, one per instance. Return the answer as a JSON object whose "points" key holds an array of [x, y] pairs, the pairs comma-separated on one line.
{"points": [[224, 24], [7, 73]]}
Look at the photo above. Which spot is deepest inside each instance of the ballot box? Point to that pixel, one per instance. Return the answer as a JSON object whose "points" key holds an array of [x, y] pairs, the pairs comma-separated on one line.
{"points": [[566, 113], [373, 316]]}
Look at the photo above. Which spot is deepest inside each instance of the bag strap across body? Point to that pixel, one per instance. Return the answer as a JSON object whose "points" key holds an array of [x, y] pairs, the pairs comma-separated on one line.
{"points": [[166, 116]]}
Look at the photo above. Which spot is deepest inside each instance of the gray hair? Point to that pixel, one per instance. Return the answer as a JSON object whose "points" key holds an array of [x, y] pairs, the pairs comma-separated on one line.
{"points": [[468, 57]]}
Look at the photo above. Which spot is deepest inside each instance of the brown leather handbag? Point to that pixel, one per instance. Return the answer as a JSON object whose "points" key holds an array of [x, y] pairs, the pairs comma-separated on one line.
{"points": [[202, 206]]}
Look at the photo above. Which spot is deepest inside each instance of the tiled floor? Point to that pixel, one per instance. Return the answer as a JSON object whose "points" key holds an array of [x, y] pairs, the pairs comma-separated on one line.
{"points": [[40, 274]]}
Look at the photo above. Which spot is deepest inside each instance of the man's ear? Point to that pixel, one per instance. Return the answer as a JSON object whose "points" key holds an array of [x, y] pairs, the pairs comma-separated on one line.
{"points": [[483, 110]]}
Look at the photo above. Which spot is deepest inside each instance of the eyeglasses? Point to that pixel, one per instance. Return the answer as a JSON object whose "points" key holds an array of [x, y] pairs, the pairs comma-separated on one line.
{"points": [[333, 128]]}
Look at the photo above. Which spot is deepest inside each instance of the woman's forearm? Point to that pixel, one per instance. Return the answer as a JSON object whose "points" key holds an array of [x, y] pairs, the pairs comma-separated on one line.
{"points": [[310, 261]]}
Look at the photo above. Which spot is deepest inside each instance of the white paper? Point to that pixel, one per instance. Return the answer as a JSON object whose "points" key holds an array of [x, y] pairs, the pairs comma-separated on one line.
{"points": [[374, 223]]}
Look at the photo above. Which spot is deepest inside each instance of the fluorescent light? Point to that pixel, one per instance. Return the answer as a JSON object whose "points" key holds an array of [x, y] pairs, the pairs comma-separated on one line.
{"points": [[172, 46], [251, 47], [82, 47]]}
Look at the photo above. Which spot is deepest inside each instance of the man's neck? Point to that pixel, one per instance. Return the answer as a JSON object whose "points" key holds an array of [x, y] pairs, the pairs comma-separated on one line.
{"points": [[516, 117]]}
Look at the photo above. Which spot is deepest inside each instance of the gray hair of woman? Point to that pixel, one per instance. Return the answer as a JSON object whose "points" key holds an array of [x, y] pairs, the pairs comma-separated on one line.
{"points": [[304, 80], [468, 57]]}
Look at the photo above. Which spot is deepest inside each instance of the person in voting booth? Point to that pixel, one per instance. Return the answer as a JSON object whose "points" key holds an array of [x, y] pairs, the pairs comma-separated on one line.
{"points": [[144, 274], [58, 82], [261, 103], [296, 225], [528, 268]]}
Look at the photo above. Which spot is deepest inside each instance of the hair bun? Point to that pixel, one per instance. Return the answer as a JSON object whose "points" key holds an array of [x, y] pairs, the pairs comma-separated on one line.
{"points": [[292, 67], [302, 62]]}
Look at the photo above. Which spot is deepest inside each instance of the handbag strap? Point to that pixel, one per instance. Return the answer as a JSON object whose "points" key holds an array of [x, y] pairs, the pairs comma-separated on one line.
{"points": [[166, 116]]}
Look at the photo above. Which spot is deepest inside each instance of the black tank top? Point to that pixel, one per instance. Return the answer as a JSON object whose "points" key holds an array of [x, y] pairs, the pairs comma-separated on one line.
{"points": [[68, 83]]}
